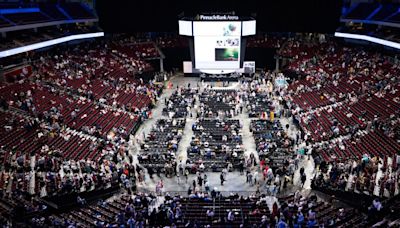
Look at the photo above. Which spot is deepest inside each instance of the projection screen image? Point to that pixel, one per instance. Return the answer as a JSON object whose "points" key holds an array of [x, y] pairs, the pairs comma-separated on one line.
{"points": [[217, 44], [226, 54]]}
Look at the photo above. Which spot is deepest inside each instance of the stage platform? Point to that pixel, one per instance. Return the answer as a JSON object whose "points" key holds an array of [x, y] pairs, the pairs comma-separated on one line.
{"points": [[223, 85]]}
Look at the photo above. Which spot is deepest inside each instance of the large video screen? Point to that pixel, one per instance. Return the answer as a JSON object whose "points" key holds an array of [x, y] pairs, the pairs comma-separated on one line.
{"points": [[249, 28], [185, 28], [217, 44]]}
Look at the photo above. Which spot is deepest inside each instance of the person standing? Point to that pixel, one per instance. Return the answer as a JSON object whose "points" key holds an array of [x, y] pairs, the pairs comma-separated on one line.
{"points": [[301, 171], [222, 178], [186, 173], [303, 179], [241, 167], [180, 167], [200, 181], [250, 178], [207, 186], [309, 153], [255, 176]]}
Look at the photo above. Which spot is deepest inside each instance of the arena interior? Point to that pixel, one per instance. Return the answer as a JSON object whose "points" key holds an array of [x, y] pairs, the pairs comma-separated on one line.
{"points": [[199, 113]]}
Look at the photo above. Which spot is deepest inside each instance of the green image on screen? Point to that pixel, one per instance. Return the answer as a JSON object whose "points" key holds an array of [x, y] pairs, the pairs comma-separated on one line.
{"points": [[226, 54]]}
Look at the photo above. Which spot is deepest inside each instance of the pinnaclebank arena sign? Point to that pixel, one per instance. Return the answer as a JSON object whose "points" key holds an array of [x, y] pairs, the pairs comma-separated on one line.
{"points": [[218, 17]]}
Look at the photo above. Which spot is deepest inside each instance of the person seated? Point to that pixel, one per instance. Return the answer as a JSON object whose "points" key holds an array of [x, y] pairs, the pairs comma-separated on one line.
{"points": [[201, 167], [194, 168], [224, 138], [214, 167], [208, 153], [210, 214], [81, 201], [229, 167]]}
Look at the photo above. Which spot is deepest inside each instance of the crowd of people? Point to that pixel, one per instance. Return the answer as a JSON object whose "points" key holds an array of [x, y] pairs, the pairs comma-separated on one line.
{"points": [[360, 176], [67, 126], [216, 144], [88, 98], [206, 210], [159, 150], [346, 103], [220, 103], [180, 102]]}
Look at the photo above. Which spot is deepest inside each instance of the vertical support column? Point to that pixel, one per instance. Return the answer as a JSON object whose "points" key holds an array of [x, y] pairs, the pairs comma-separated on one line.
{"points": [[1, 74], [284, 61], [277, 64], [161, 65]]}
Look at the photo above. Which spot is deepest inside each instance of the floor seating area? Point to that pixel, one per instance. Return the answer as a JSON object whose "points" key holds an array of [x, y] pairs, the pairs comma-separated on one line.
{"points": [[272, 143], [258, 104], [215, 144], [159, 150], [179, 103], [222, 103]]}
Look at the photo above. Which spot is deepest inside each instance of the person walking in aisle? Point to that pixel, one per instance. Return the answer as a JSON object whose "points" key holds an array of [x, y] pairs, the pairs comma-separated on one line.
{"points": [[186, 173], [303, 179]]}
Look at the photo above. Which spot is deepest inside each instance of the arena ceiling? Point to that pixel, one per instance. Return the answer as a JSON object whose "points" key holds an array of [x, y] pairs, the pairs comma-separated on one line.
{"points": [[272, 16]]}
